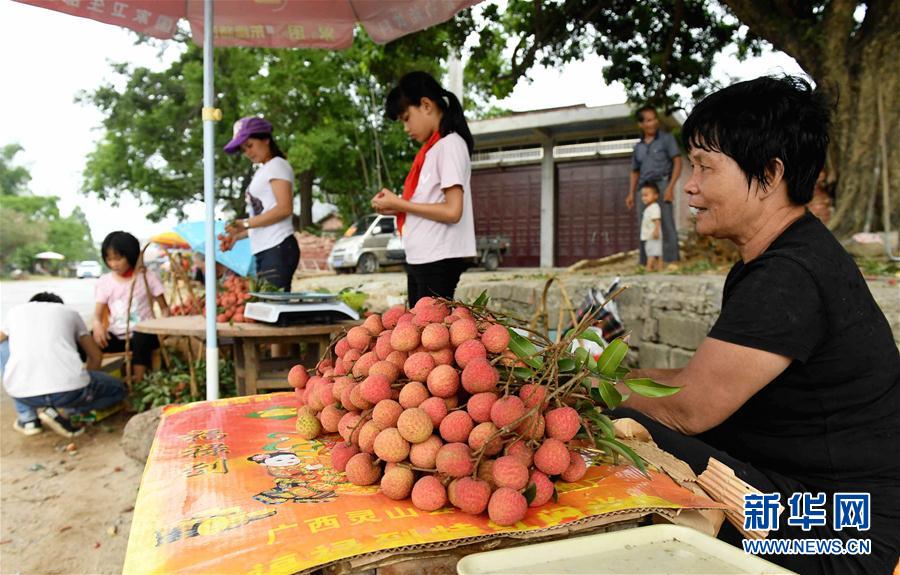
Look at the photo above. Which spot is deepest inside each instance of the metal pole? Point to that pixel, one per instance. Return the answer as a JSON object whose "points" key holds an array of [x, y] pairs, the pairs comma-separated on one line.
{"points": [[209, 172]]}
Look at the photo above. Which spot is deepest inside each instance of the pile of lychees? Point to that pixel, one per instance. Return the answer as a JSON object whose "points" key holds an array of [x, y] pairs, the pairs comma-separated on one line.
{"points": [[426, 405]]}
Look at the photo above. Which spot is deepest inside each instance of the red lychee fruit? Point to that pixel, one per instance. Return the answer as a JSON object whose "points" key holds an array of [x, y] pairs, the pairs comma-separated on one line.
{"points": [[350, 358], [443, 381], [386, 413], [390, 317], [507, 507], [456, 427], [552, 457], [387, 369], [576, 469], [415, 425], [330, 417], [364, 364], [298, 376], [509, 472], [506, 410], [470, 495], [413, 394], [435, 336], [469, 350], [562, 423], [532, 394], [341, 454], [375, 388], [462, 331], [390, 445], [543, 488], [479, 375], [428, 310], [383, 345], [347, 424], [520, 450], [341, 347], [424, 455], [359, 338], [397, 482], [398, 358], [479, 406], [362, 470], [436, 409], [367, 434], [453, 459], [481, 433], [418, 366], [443, 356], [357, 399], [373, 325], [405, 318], [405, 337], [532, 427], [486, 471], [495, 338], [428, 494]]}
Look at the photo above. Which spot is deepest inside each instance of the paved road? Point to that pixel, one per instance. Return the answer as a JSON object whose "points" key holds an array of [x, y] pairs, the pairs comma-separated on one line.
{"points": [[78, 294]]}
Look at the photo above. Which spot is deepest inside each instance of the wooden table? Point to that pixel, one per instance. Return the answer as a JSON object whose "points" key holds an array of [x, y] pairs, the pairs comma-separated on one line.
{"points": [[252, 370]]}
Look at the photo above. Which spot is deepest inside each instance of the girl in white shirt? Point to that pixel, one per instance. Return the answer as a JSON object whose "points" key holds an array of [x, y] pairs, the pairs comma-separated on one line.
{"points": [[270, 201], [434, 214]]}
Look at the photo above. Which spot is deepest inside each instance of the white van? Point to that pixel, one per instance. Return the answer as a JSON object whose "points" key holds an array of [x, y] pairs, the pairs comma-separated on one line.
{"points": [[364, 245]]}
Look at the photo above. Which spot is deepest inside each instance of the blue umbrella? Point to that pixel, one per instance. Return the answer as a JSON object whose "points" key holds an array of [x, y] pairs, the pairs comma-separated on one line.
{"points": [[238, 259]]}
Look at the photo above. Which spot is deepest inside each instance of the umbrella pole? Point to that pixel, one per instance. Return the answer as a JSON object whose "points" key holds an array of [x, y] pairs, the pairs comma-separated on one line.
{"points": [[209, 166]]}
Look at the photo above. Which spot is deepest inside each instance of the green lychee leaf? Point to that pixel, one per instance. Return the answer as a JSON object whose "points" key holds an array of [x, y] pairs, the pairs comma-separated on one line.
{"points": [[524, 349], [482, 299], [613, 446], [649, 388], [611, 357], [581, 357], [566, 365], [610, 395], [530, 493]]}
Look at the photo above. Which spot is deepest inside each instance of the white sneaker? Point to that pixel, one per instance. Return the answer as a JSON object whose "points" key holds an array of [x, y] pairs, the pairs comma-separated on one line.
{"points": [[32, 427], [59, 423]]}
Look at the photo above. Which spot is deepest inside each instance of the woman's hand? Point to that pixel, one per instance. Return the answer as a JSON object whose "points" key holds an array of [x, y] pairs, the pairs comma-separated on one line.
{"points": [[233, 232], [387, 202]]}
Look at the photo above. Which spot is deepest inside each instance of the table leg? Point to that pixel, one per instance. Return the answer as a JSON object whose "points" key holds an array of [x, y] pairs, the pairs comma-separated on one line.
{"points": [[240, 373], [251, 365]]}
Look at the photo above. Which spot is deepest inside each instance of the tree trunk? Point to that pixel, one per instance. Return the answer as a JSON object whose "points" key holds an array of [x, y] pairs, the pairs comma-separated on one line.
{"points": [[851, 64], [305, 189]]}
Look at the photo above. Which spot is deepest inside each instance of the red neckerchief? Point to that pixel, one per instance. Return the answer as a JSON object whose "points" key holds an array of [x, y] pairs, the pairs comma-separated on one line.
{"points": [[412, 178], [129, 273]]}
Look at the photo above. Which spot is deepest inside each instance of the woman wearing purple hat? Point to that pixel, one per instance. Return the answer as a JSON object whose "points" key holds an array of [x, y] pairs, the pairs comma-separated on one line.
{"points": [[270, 203]]}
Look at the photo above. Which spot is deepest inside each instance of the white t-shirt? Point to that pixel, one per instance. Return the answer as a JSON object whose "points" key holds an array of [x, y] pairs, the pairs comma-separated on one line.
{"points": [[447, 164], [43, 350], [651, 213], [260, 199]]}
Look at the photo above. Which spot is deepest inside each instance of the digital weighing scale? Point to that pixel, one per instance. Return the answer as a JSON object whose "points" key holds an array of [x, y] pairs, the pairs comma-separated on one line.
{"points": [[283, 309]]}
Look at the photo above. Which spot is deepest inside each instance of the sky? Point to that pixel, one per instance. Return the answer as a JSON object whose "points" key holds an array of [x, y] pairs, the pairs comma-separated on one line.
{"points": [[48, 58]]}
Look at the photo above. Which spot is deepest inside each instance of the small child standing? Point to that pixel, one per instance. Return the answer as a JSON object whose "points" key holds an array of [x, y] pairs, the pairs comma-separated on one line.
{"points": [[650, 226], [120, 251]]}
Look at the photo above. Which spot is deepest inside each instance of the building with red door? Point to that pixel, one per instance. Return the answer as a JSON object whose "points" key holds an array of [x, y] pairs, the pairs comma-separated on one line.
{"points": [[554, 181]]}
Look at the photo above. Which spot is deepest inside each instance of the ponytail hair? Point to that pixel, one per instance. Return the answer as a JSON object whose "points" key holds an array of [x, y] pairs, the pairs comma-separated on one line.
{"points": [[417, 85], [273, 145]]}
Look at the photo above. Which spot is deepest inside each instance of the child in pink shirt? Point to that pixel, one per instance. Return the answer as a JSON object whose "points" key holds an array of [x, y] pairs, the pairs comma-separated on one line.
{"points": [[120, 251]]}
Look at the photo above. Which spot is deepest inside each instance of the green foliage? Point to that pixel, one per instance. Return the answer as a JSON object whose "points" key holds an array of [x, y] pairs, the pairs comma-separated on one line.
{"points": [[326, 106], [164, 387], [32, 224], [658, 49], [13, 179]]}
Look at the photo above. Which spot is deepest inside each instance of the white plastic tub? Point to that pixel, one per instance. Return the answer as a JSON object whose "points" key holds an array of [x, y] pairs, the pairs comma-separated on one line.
{"points": [[670, 549]]}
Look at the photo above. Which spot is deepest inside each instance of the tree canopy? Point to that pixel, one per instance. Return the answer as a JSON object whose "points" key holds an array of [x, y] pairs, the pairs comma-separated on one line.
{"points": [[32, 224], [326, 105]]}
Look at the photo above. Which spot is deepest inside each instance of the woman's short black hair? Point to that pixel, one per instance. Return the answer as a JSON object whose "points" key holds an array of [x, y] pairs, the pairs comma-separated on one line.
{"points": [[46, 296], [124, 244], [758, 121]]}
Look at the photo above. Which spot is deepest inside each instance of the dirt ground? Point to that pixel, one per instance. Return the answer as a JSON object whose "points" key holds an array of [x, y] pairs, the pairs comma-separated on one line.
{"points": [[65, 511]]}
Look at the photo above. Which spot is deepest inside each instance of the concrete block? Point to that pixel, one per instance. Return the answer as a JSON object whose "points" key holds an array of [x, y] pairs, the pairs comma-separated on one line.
{"points": [[679, 357], [682, 331], [653, 355]]}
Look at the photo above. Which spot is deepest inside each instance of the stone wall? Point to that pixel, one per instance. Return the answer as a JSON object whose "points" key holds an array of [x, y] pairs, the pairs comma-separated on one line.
{"points": [[667, 315]]}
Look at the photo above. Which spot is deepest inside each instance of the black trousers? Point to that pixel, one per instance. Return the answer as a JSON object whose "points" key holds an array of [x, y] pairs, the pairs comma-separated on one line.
{"points": [[696, 453], [434, 278], [142, 346], [277, 264]]}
